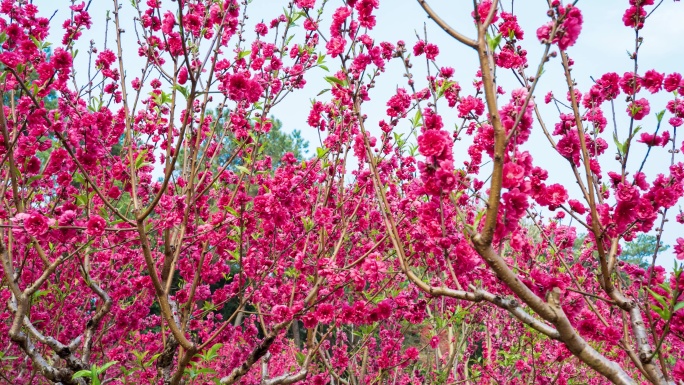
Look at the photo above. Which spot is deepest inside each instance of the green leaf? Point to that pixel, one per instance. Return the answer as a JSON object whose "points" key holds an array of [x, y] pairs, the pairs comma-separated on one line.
{"points": [[634, 109], [661, 312], [494, 42], [40, 293], [182, 90], [300, 358], [660, 115], [678, 306], [33, 179], [107, 366], [212, 353], [140, 159], [243, 169], [659, 298], [333, 80], [243, 54], [666, 287], [325, 68], [417, 118], [36, 42], [82, 373], [620, 146], [321, 152]]}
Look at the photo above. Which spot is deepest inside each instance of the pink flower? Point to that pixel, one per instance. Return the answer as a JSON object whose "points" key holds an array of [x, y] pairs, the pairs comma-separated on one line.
{"points": [[609, 85], [649, 139], [483, 11], [411, 353], [555, 195], [431, 143], [470, 104], [62, 60], [509, 27], [114, 192], [398, 103], [672, 82], [634, 17], [678, 371], [626, 192], [240, 87], [569, 30], [548, 97], [630, 84], [571, 27], [36, 225], [182, 75], [577, 207], [365, 9], [10, 59], [335, 46], [446, 72], [261, 29], [638, 109], [340, 15], [96, 226], [105, 59], [679, 249], [325, 313], [431, 51], [508, 58], [168, 22], [419, 48], [652, 81], [513, 175], [305, 3]]}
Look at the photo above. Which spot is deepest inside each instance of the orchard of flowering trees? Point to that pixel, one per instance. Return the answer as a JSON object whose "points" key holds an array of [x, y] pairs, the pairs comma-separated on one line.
{"points": [[146, 237]]}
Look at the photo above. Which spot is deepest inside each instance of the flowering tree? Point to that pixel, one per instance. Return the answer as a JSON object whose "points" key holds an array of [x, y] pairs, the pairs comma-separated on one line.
{"points": [[146, 240]]}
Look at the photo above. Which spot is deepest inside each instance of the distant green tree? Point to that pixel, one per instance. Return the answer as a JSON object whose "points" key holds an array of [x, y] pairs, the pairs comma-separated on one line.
{"points": [[277, 143], [640, 250], [274, 143]]}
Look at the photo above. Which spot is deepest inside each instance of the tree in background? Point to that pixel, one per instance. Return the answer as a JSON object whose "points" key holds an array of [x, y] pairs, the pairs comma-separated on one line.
{"points": [[274, 144], [641, 250]]}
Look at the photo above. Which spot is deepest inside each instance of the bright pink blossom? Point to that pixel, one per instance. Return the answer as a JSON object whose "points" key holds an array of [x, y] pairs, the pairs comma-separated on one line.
{"points": [[652, 81], [432, 143], [36, 224], [638, 109], [96, 226], [679, 249], [566, 36]]}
